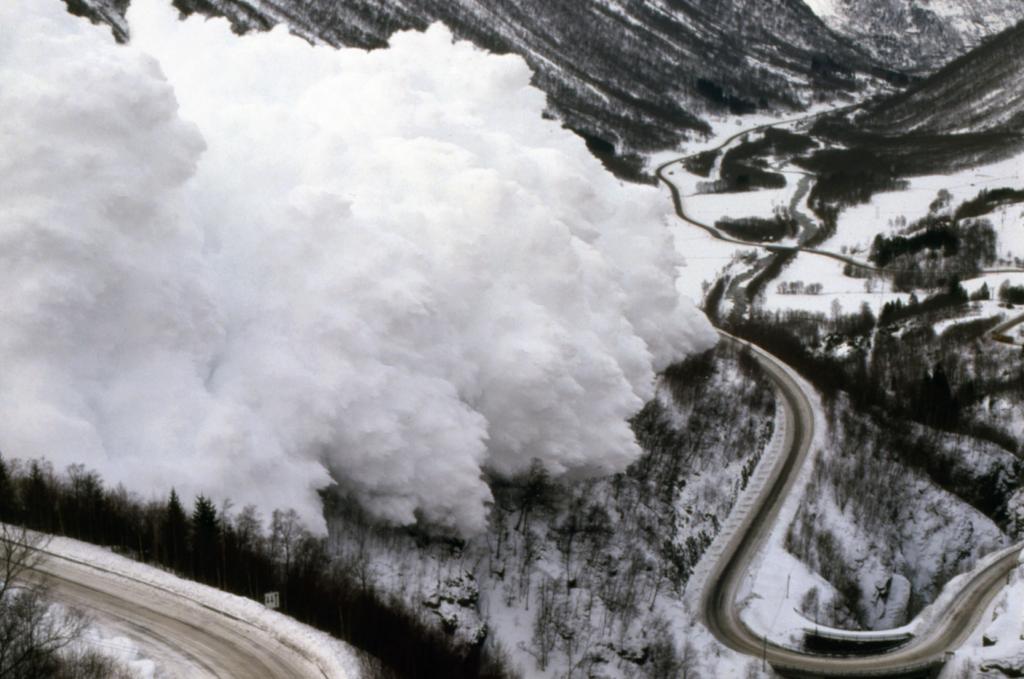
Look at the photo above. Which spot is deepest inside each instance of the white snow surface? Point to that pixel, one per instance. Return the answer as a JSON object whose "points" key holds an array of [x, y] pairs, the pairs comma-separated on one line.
{"points": [[859, 224], [823, 8], [706, 256], [999, 640], [251, 267], [839, 291], [887, 213], [334, 657], [123, 650]]}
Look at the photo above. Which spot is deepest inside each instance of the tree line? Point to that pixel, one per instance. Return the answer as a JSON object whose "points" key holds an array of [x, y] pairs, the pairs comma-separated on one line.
{"points": [[235, 553]]}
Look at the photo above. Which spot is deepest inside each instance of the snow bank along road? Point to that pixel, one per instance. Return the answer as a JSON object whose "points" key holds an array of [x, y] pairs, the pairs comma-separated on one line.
{"points": [[185, 638], [948, 628]]}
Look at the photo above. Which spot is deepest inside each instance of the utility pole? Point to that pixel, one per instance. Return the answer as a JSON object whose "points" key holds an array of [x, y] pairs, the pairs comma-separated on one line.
{"points": [[764, 654]]}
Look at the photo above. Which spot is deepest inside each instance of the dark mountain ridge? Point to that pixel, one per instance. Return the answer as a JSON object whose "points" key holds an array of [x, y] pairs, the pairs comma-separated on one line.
{"points": [[629, 76], [969, 113], [981, 91], [918, 36]]}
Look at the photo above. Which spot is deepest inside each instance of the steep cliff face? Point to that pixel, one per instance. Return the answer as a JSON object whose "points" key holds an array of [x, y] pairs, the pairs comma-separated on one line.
{"points": [[631, 76], [918, 35]]}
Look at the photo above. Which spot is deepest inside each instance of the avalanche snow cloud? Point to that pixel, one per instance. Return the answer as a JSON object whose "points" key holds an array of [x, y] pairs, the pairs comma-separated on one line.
{"points": [[253, 268]]}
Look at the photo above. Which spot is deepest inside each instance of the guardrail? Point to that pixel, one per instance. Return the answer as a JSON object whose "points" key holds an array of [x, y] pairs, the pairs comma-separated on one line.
{"points": [[929, 667], [851, 643]]}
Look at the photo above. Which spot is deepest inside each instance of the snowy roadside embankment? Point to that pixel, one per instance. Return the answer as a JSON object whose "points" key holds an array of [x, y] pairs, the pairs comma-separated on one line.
{"points": [[774, 577], [335, 659], [698, 582], [997, 644]]}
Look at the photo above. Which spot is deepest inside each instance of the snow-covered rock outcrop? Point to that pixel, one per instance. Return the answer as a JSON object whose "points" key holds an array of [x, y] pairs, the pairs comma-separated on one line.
{"points": [[918, 35]]}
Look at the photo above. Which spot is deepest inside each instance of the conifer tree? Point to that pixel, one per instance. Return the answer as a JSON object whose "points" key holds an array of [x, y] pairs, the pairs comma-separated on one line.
{"points": [[205, 540], [8, 506], [39, 500], [175, 529]]}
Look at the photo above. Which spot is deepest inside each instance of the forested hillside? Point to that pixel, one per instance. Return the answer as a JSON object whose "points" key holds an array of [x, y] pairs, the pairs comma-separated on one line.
{"points": [[983, 91], [919, 36], [630, 76]]}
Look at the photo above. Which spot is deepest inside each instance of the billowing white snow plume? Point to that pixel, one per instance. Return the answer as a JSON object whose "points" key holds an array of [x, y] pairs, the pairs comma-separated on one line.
{"points": [[251, 267]]}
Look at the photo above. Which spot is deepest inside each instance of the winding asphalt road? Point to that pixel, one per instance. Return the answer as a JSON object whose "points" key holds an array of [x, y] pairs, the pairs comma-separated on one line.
{"points": [[999, 333], [950, 627], [186, 640]]}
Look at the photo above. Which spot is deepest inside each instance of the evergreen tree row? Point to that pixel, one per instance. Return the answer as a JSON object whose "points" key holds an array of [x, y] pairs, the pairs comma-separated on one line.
{"points": [[234, 552]]}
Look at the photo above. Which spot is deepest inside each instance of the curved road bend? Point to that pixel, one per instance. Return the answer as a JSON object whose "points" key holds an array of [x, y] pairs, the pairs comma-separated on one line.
{"points": [[718, 601], [184, 638], [999, 333]]}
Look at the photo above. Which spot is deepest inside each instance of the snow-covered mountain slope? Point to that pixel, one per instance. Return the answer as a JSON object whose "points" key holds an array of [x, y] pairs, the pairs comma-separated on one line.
{"points": [[969, 113], [983, 91], [884, 533], [634, 75], [591, 579], [918, 35]]}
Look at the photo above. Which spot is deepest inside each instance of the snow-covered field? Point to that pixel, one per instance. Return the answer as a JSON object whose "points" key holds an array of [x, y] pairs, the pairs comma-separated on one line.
{"points": [[885, 214], [705, 257], [839, 292], [859, 224], [711, 207]]}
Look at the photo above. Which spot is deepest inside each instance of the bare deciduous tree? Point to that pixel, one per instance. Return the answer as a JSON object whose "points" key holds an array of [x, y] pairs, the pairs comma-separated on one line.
{"points": [[36, 638], [19, 554], [31, 637]]}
